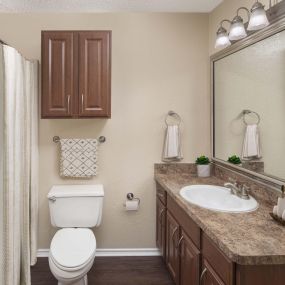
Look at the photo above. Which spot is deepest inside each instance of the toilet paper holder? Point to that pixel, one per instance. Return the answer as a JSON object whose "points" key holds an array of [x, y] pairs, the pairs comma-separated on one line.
{"points": [[131, 197]]}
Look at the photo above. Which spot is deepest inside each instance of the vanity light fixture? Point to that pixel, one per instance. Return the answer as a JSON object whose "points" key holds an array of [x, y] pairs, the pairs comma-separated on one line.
{"points": [[222, 40], [257, 20], [237, 30]]}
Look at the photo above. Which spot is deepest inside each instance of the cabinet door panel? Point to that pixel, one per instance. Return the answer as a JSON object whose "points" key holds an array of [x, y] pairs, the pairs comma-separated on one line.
{"points": [[58, 77], [160, 226], [172, 252], [94, 74], [190, 262]]}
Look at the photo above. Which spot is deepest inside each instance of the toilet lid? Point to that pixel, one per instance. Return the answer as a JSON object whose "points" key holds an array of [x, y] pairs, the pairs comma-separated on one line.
{"points": [[73, 247]]}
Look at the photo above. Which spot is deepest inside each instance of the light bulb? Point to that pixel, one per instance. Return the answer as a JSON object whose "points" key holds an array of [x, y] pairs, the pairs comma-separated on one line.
{"points": [[222, 39], [258, 19]]}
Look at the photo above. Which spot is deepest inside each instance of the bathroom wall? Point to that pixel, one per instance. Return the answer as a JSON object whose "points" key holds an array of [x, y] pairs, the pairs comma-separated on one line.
{"points": [[227, 10], [159, 63]]}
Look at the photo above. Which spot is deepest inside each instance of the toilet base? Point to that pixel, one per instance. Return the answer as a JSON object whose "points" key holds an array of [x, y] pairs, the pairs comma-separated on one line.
{"points": [[82, 281]]}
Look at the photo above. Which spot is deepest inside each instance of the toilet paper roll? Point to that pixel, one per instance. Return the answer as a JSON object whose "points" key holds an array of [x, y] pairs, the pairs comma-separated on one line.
{"points": [[132, 205]]}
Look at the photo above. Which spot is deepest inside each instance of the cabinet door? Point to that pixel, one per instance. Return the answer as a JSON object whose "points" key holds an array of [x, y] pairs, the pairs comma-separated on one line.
{"points": [[189, 261], [209, 276], [95, 74], [59, 78], [172, 252], [160, 226]]}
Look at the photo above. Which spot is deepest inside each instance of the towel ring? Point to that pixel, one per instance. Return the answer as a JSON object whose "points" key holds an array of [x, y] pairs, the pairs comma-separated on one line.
{"points": [[173, 115], [247, 112]]}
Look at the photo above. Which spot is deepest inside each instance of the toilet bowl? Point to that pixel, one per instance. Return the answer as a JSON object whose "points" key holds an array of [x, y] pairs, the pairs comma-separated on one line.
{"points": [[72, 254], [74, 209]]}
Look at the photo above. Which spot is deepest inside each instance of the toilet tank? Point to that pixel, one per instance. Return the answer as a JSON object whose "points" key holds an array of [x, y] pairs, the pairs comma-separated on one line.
{"points": [[76, 206]]}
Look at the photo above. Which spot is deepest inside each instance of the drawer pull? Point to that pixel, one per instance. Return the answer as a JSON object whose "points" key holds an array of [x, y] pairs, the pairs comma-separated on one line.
{"points": [[202, 275], [160, 215], [68, 104], [174, 231], [179, 242], [82, 103], [160, 195]]}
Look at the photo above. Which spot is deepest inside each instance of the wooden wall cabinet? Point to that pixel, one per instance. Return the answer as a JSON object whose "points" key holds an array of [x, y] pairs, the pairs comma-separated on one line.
{"points": [[76, 74]]}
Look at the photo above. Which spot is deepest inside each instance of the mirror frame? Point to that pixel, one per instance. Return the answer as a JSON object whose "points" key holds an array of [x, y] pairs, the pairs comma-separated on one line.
{"points": [[276, 16]]}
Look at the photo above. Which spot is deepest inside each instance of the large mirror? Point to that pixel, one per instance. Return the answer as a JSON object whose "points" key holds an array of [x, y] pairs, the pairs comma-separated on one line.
{"points": [[249, 106]]}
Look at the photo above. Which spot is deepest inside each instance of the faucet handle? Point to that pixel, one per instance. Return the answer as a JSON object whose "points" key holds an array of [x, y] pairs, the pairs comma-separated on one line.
{"points": [[245, 192], [232, 180]]}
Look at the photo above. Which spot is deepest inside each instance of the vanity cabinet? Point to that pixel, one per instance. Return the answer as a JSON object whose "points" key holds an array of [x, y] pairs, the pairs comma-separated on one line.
{"points": [[184, 242], [76, 74]]}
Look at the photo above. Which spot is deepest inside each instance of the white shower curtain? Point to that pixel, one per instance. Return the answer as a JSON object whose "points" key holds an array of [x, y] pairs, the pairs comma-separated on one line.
{"points": [[20, 166]]}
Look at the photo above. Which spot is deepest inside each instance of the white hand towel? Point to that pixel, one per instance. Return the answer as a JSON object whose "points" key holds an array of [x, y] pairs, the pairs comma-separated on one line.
{"points": [[172, 144], [251, 144]]}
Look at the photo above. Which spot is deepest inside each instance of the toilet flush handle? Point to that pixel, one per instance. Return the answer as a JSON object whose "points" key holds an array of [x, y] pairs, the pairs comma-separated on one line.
{"points": [[53, 199]]}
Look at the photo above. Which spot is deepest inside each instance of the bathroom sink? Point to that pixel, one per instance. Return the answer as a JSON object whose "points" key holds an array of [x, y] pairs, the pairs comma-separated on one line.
{"points": [[217, 198]]}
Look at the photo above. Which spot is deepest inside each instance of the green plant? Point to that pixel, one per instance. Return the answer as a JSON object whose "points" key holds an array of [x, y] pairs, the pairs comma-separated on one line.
{"points": [[202, 160], [234, 159]]}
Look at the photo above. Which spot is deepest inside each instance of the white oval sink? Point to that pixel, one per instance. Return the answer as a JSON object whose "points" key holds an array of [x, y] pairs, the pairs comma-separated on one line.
{"points": [[217, 198]]}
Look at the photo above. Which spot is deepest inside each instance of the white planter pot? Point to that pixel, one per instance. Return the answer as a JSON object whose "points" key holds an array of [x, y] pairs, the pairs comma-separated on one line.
{"points": [[204, 170]]}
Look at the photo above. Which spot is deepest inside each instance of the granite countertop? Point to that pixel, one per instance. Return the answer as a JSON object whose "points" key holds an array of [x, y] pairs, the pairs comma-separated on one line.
{"points": [[246, 238]]}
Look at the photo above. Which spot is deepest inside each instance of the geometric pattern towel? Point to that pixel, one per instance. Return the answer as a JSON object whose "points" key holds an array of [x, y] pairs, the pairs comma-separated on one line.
{"points": [[78, 158]]}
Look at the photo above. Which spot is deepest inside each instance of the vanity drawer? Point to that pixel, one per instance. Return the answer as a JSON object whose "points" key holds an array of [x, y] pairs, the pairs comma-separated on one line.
{"points": [[161, 193], [218, 261], [188, 225]]}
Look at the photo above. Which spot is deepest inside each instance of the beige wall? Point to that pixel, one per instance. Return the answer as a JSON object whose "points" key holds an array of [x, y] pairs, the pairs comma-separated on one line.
{"points": [[226, 10], [159, 63]]}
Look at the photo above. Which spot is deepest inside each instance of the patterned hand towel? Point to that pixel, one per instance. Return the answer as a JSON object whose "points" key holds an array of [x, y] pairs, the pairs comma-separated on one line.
{"points": [[78, 158]]}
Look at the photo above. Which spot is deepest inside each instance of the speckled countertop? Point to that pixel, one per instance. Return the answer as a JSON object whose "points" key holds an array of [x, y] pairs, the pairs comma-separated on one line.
{"points": [[247, 238]]}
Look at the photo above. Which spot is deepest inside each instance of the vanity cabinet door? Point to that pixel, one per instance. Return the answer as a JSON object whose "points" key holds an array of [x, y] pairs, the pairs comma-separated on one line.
{"points": [[172, 251], [59, 82], [95, 74], [160, 226], [189, 261], [209, 276]]}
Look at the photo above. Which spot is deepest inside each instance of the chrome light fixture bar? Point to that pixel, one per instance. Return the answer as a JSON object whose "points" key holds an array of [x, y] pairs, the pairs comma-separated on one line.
{"points": [[257, 20]]}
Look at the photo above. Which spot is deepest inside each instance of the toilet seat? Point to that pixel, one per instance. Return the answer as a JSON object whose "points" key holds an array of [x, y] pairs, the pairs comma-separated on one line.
{"points": [[73, 248]]}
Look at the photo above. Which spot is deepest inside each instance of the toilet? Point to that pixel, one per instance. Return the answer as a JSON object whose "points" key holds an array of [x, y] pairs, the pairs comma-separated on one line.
{"points": [[74, 209]]}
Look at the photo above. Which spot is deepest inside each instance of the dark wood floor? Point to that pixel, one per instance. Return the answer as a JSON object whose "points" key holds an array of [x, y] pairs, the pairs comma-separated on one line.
{"points": [[113, 271]]}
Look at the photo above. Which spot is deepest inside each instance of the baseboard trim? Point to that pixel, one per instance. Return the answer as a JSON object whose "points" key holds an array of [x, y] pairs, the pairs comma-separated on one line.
{"points": [[114, 252]]}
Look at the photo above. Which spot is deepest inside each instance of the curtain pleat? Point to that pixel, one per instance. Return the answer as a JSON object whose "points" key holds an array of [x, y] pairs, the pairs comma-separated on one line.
{"points": [[20, 167]]}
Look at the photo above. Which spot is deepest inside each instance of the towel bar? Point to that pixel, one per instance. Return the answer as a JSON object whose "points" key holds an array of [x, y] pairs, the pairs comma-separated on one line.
{"points": [[101, 139]]}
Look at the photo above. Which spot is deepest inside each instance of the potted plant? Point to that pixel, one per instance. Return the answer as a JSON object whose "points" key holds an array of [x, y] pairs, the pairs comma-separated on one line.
{"points": [[203, 166], [234, 159]]}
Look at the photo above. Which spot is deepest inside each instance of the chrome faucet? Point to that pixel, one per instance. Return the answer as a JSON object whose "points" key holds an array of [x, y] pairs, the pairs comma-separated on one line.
{"points": [[242, 191]]}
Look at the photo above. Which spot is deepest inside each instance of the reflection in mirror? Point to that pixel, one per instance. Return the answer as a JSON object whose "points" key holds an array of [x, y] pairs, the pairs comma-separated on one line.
{"points": [[249, 106]]}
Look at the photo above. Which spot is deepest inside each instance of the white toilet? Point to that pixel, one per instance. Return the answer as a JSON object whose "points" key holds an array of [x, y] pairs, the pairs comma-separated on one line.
{"points": [[74, 209]]}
